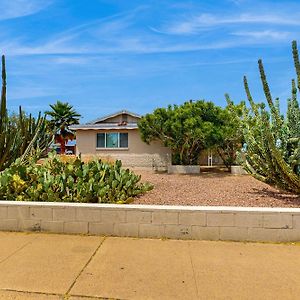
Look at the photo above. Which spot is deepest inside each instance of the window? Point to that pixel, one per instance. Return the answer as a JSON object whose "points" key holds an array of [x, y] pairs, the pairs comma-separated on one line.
{"points": [[112, 140], [123, 140], [100, 140]]}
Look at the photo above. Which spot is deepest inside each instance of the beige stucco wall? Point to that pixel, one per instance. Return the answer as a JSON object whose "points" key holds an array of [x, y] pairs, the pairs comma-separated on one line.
{"points": [[138, 154]]}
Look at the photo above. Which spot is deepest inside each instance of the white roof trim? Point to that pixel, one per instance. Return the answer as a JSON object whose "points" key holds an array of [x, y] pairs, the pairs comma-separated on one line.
{"points": [[104, 126]]}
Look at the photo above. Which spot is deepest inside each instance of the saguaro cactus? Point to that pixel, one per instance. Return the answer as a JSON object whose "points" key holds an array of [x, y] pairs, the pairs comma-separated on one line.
{"points": [[273, 139]]}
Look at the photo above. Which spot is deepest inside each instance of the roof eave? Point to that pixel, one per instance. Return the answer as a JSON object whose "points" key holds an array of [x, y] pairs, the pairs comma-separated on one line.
{"points": [[103, 128]]}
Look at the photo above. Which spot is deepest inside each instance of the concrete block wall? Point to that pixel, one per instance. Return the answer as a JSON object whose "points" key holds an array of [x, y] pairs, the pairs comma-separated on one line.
{"points": [[180, 169], [147, 161], [238, 170], [153, 221]]}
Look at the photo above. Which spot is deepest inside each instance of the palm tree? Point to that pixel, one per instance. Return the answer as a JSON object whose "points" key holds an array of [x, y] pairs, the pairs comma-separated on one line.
{"points": [[62, 116]]}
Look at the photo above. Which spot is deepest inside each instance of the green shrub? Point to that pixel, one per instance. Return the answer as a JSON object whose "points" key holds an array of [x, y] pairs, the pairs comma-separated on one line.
{"points": [[73, 181], [186, 129]]}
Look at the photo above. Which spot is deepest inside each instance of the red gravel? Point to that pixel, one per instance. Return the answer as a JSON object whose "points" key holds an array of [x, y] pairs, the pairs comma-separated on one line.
{"points": [[221, 189]]}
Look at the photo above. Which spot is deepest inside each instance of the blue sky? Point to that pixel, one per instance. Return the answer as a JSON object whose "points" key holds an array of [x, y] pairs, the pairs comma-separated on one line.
{"points": [[105, 55]]}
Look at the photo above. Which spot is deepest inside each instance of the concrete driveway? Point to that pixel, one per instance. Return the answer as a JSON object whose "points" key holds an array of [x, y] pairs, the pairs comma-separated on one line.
{"points": [[52, 267]]}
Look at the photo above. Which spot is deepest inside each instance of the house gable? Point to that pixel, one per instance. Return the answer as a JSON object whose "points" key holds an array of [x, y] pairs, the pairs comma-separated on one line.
{"points": [[120, 117], [120, 120]]}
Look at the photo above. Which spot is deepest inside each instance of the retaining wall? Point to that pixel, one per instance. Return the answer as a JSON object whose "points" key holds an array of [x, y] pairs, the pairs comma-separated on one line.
{"points": [[180, 169], [238, 170], [154, 221]]}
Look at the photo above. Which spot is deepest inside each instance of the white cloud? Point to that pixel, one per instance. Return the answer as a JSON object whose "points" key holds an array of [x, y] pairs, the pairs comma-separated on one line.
{"points": [[66, 60], [29, 91], [120, 45], [238, 2], [11, 9], [100, 36], [276, 35], [119, 34], [204, 22]]}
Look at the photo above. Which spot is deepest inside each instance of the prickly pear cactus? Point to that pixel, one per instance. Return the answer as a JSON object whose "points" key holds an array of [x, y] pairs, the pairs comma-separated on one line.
{"points": [[72, 181]]}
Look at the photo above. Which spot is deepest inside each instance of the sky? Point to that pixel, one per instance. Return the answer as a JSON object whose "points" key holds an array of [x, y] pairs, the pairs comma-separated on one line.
{"points": [[102, 56]]}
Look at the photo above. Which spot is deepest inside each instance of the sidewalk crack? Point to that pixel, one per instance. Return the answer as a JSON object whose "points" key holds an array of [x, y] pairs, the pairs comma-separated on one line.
{"points": [[16, 251], [194, 276], [86, 264], [30, 292]]}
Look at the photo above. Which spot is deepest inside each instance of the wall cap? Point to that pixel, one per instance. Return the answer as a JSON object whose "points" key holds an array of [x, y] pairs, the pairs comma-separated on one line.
{"points": [[153, 207]]}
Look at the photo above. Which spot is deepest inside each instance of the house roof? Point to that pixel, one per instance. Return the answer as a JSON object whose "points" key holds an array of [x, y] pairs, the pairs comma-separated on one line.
{"points": [[121, 112], [104, 126], [97, 124]]}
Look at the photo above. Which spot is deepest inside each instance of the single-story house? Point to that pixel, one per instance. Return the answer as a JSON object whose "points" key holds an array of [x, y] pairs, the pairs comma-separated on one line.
{"points": [[116, 136]]}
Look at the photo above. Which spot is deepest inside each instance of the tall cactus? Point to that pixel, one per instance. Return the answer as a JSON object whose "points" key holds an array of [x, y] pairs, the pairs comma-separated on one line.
{"points": [[3, 112], [273, 140], [20, 136], [8, 136]]}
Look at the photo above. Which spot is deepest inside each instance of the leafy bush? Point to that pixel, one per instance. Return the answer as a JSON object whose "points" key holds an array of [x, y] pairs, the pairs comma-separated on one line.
{"points": [[193, 126], [232, 133], [186, 129], [73, 181]]}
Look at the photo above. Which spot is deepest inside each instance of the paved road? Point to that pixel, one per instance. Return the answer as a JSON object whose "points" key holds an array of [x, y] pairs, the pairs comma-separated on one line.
{"points": [[51, 267]]}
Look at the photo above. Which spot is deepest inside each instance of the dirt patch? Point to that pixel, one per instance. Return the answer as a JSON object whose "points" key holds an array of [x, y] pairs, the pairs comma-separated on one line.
{"points": [[213, 189]]}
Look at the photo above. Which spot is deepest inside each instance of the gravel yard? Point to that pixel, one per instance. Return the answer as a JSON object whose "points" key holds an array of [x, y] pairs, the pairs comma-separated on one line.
{"points": [[213, 189]]}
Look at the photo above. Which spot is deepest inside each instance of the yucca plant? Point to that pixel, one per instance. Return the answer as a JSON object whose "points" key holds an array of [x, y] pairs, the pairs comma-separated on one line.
{"points": [[21, 136], [273, 140]]}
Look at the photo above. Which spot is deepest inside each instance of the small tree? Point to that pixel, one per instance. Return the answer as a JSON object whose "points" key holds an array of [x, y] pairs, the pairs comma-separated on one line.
{"points": [[232, 133], [186, 129], [273, 140], [62, 116]]}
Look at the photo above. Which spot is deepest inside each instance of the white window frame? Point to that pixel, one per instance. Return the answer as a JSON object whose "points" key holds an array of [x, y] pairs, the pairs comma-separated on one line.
{"points": [[111, 148]]}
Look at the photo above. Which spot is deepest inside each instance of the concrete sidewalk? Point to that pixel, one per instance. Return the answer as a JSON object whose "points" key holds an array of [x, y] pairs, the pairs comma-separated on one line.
{"points": [[52, 267]]}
